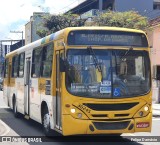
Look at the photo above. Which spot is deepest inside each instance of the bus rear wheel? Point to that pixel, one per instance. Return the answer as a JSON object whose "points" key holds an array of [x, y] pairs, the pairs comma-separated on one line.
{"points": [[46, 122]]}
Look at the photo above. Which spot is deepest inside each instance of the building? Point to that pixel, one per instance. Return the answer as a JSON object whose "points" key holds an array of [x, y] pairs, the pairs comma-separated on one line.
{"points": [[90, 8], [154, 40], [4, 49], [32, 26]]}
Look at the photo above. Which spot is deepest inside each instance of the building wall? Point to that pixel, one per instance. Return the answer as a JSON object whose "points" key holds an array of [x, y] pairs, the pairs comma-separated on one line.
{"points": [[28, 37], [154, 41], [156, 46], [36, 24], [32, 26], [137, 5]]}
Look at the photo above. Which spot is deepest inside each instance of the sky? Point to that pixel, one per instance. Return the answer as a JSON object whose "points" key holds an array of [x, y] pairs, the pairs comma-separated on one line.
{"points": [[14, 14]]}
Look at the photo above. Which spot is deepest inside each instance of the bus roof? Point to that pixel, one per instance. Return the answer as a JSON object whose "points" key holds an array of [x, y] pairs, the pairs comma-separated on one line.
{"points": [[60, 33]]}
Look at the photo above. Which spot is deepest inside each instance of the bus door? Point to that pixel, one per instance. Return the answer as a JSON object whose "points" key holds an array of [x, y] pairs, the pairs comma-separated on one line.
{"points": [[27, 87], [58, 91], [7, 78]]}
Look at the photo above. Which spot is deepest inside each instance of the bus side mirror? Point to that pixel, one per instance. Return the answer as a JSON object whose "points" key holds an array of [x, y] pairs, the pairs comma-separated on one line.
{"points": [[62, 65]]}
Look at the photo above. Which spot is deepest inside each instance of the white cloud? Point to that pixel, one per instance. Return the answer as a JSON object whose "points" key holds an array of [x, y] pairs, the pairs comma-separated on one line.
{"points": [[14, 14]]}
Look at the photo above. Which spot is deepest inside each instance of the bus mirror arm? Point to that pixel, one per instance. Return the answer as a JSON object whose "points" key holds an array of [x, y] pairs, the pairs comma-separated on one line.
{"points": [[64, 49], [62, 66]]}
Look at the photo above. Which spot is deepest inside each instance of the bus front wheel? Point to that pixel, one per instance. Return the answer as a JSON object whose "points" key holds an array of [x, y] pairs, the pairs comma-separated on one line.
{"points": [[46, 122]]}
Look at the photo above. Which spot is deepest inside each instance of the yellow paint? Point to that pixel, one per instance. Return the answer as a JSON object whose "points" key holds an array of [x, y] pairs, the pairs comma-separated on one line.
{"points": [[70, 122]]}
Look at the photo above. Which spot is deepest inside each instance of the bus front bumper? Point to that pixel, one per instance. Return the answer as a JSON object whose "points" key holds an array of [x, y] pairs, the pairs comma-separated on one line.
{"points": [[72, 126]]}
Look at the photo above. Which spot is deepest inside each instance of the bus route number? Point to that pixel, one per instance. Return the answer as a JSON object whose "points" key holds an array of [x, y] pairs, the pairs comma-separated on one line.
{"points": [[84, 108]]}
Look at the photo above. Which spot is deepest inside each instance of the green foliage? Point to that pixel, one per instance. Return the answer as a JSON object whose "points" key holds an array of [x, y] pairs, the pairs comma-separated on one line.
{"points": [[55, 23], [129, 19], [42, 32]]}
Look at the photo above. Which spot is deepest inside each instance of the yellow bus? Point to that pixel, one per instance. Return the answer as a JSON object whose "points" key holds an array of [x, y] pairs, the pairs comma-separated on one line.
{"points": [[83, 80]]}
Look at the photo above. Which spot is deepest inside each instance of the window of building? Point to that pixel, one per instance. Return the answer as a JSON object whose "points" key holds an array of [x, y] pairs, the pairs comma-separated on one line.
{"points": [[108, 4], [21, 65], [47, 61], [156, 6], [15, 66], [36, 62]]}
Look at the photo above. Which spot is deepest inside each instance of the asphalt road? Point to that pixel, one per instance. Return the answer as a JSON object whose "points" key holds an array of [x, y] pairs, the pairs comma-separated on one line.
{"points": [[31, 128]]}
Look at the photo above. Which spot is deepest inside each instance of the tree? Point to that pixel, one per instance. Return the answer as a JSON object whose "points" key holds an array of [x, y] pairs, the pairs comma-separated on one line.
{"points": [[129, 19], [53, 23]]}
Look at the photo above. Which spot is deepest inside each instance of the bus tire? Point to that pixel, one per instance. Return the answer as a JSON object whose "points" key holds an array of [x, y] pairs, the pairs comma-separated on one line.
{"points": [[46, 122], [16, 114]]}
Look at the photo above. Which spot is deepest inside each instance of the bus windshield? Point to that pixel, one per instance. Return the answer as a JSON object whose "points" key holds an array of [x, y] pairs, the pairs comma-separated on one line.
{"points": [[121, 75]]}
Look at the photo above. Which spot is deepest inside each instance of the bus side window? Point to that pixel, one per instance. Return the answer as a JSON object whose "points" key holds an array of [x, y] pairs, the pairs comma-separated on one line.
{"points": [[21, 65], [6, 69], [47, 61], [15, 66], [36, 62]]}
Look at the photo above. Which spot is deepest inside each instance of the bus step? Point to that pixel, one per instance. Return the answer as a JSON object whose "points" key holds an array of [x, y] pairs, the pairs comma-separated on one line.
{"points": [[26, 117]]}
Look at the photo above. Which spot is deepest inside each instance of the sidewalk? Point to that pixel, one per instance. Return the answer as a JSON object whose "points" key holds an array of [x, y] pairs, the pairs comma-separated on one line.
{"points": [[3, 129], [5, 132], [156, 109]]}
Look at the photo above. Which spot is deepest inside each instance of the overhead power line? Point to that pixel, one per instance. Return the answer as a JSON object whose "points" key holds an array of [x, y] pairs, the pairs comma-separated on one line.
{"points": [[84, 6], [66, 6]]}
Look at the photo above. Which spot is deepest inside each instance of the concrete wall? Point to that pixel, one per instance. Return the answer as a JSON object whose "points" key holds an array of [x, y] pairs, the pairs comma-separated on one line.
{"points": [[137, 5], [156, 46], [28, 35], [36, 24], [32, 27]]}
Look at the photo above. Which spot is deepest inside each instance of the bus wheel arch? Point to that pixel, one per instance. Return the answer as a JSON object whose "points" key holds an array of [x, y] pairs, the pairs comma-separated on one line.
{"points": [[45, 119]]}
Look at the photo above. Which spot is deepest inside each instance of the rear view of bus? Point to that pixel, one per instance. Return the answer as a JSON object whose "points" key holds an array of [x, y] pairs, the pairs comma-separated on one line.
{"points": [[106, 84]]}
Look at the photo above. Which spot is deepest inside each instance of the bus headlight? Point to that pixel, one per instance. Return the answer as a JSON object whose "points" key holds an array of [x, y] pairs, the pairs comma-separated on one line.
{"points": [[146, 108], [141, 113], [79, 115], [144, 111], [73, 110]]}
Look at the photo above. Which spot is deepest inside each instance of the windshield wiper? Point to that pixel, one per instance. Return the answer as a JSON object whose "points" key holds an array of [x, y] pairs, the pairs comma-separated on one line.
{"points": [[127, 52], [94, 58]]}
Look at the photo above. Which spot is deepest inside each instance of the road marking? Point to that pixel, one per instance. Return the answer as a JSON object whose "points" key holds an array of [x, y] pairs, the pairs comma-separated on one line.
{"points": [[7, 130], [131, 134], [4, 107], [127, 134]]}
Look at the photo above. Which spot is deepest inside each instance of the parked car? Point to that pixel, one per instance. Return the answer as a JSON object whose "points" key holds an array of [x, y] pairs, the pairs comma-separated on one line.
{"points": [[1, 84]]}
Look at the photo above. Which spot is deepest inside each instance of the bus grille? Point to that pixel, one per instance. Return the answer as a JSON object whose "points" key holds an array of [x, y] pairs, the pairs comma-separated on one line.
{"points": [[111, 125], [111, 107]]}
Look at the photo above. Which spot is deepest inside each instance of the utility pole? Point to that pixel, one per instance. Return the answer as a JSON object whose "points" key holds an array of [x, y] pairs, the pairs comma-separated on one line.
{"points": [[18, 32]]}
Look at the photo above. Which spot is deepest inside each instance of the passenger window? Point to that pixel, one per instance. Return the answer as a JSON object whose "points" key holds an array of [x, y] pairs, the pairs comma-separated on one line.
{"points": [[21, 65], [15, 66], [6, 68], [47, 61], [36, 63]]}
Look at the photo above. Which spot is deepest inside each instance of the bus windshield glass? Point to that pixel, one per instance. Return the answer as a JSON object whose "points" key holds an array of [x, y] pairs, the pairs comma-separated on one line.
{"points": [[120, 77], [107, 38]]}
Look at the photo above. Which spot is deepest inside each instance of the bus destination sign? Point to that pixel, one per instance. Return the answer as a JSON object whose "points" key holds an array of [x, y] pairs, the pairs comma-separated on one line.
{"points": [[110, 38]]}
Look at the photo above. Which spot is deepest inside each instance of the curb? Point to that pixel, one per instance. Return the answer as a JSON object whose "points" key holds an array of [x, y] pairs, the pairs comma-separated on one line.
{"points": [[7, 129], [156, 113]]}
